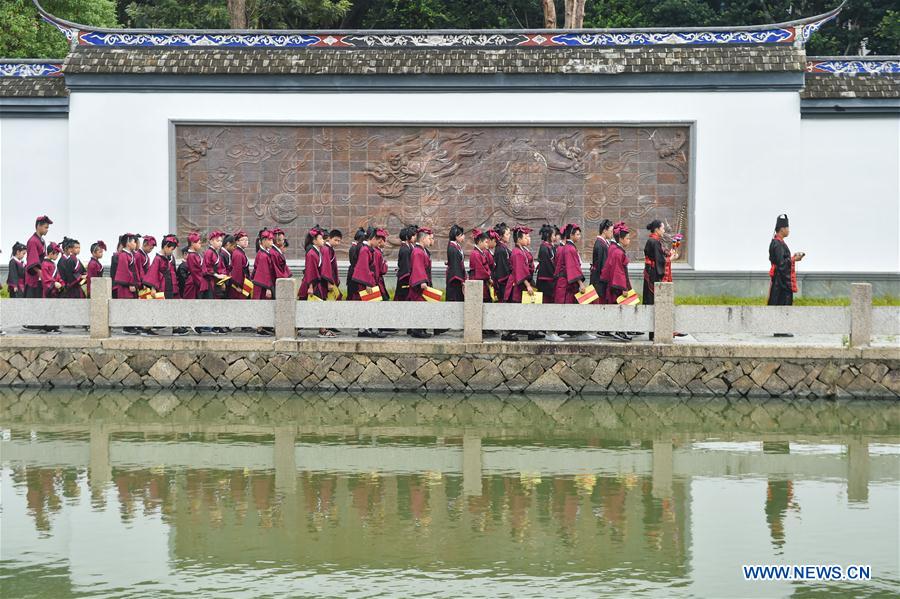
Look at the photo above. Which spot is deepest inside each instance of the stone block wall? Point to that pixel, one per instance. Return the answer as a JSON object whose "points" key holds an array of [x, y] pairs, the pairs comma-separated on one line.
{"points": [[498, 371]]}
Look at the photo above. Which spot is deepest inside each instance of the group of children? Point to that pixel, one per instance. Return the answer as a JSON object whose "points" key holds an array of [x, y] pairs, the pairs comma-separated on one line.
{"points": [[501, 257]]}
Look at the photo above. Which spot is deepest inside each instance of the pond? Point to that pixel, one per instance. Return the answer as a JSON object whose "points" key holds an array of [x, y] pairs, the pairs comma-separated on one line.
{"points": [[122, 494]]}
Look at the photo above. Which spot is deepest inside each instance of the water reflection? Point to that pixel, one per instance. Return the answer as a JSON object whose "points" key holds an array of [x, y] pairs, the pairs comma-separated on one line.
{"points": [[337, 495]]}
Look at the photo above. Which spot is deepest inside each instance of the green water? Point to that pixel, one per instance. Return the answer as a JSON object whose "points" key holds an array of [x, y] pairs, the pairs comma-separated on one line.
{"points": [[112, 494]]}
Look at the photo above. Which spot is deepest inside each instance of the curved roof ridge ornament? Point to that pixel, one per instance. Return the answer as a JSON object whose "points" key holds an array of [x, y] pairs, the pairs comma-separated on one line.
{"points": [[792, 32]]}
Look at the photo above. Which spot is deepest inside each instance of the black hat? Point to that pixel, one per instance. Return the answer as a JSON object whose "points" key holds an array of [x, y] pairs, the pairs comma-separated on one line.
{"points": [[781, 222]]}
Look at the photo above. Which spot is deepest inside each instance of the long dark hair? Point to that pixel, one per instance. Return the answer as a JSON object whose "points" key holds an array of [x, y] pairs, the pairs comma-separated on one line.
{"points": [[604, 225], [569, 230], [456, 231], [547, 232]]}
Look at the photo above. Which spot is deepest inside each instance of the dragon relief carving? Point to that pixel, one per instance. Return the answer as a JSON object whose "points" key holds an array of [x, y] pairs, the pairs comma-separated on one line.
{"points": [[348, 140], [425, 161], [670, 150], [574, 150], [197, 145], [262, 148]]}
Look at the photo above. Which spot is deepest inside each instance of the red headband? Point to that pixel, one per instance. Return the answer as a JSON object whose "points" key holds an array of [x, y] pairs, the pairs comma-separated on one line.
{"points": [[216, 234], [53, 248], [494, 235], [239, 233], [170, 239], [572, 226], [101, 245], [150, 240], [381, 233], [193, 237], [620, 227], [523, 230], [476, 233], [267, 235], [315, 231], [277, 231]]}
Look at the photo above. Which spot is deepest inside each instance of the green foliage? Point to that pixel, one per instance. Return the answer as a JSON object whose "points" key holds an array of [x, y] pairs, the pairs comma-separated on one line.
{"points": [[26, 36], [175, 14]]}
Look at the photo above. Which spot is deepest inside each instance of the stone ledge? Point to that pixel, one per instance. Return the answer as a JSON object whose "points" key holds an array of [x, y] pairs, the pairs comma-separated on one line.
{"points": [[649, 370], [448, 347]]}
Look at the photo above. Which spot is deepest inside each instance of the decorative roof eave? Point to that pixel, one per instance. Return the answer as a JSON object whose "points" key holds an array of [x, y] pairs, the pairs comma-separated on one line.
{"points": [[854, 65], [793, 32], [31, 67]]}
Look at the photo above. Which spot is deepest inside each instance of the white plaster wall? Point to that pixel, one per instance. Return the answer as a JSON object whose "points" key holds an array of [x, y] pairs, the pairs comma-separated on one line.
{"points": [[34, 178], [746, 171], [850, 184]]}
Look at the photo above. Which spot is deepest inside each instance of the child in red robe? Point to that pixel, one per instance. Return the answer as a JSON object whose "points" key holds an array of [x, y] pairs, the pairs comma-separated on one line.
{"points": [[365, 275], [264, 275], [521, 276], [420, 272], [240, 265], [195, 285], [615, 270], [316, 273], [95, 267], [51, 282], [569, 278], [279, 260]]}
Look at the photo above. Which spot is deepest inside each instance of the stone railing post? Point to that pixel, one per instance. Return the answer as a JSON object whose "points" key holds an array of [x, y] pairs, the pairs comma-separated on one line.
{"points": [[664, 313], [101, 293], [473, 315], [860, 314], [285, 309]]}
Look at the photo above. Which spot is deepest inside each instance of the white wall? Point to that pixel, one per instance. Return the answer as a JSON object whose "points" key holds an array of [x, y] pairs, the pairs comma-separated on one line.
{"points": [[34, 175], [754, 158], [850, 184], [746, 158]]}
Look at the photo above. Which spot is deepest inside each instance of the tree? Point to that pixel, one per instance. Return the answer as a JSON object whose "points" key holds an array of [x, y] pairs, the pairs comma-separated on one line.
{"points": [[26, 36]]}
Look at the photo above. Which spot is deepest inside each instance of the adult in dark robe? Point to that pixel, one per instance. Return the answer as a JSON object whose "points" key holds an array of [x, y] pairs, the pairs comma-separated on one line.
{"points": [[420, 272], [782, 270], [655, 259], [240, 266], [113, 265], [546, 279], [569, 278], [35, 252], [456, 265], [598, 257]]}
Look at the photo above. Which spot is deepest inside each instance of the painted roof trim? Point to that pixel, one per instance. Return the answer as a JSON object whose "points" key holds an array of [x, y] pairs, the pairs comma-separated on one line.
{"points": [[793, 32], [854, 65], [31, 67]]}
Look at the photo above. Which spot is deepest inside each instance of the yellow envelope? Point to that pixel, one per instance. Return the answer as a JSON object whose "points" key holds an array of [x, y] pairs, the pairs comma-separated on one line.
{"points": [[537, 298], [432, 295]]}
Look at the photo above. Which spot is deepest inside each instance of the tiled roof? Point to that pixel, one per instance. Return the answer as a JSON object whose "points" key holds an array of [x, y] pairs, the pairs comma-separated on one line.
{"points": [[33, 87], [411, 61], [850, 86]]}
